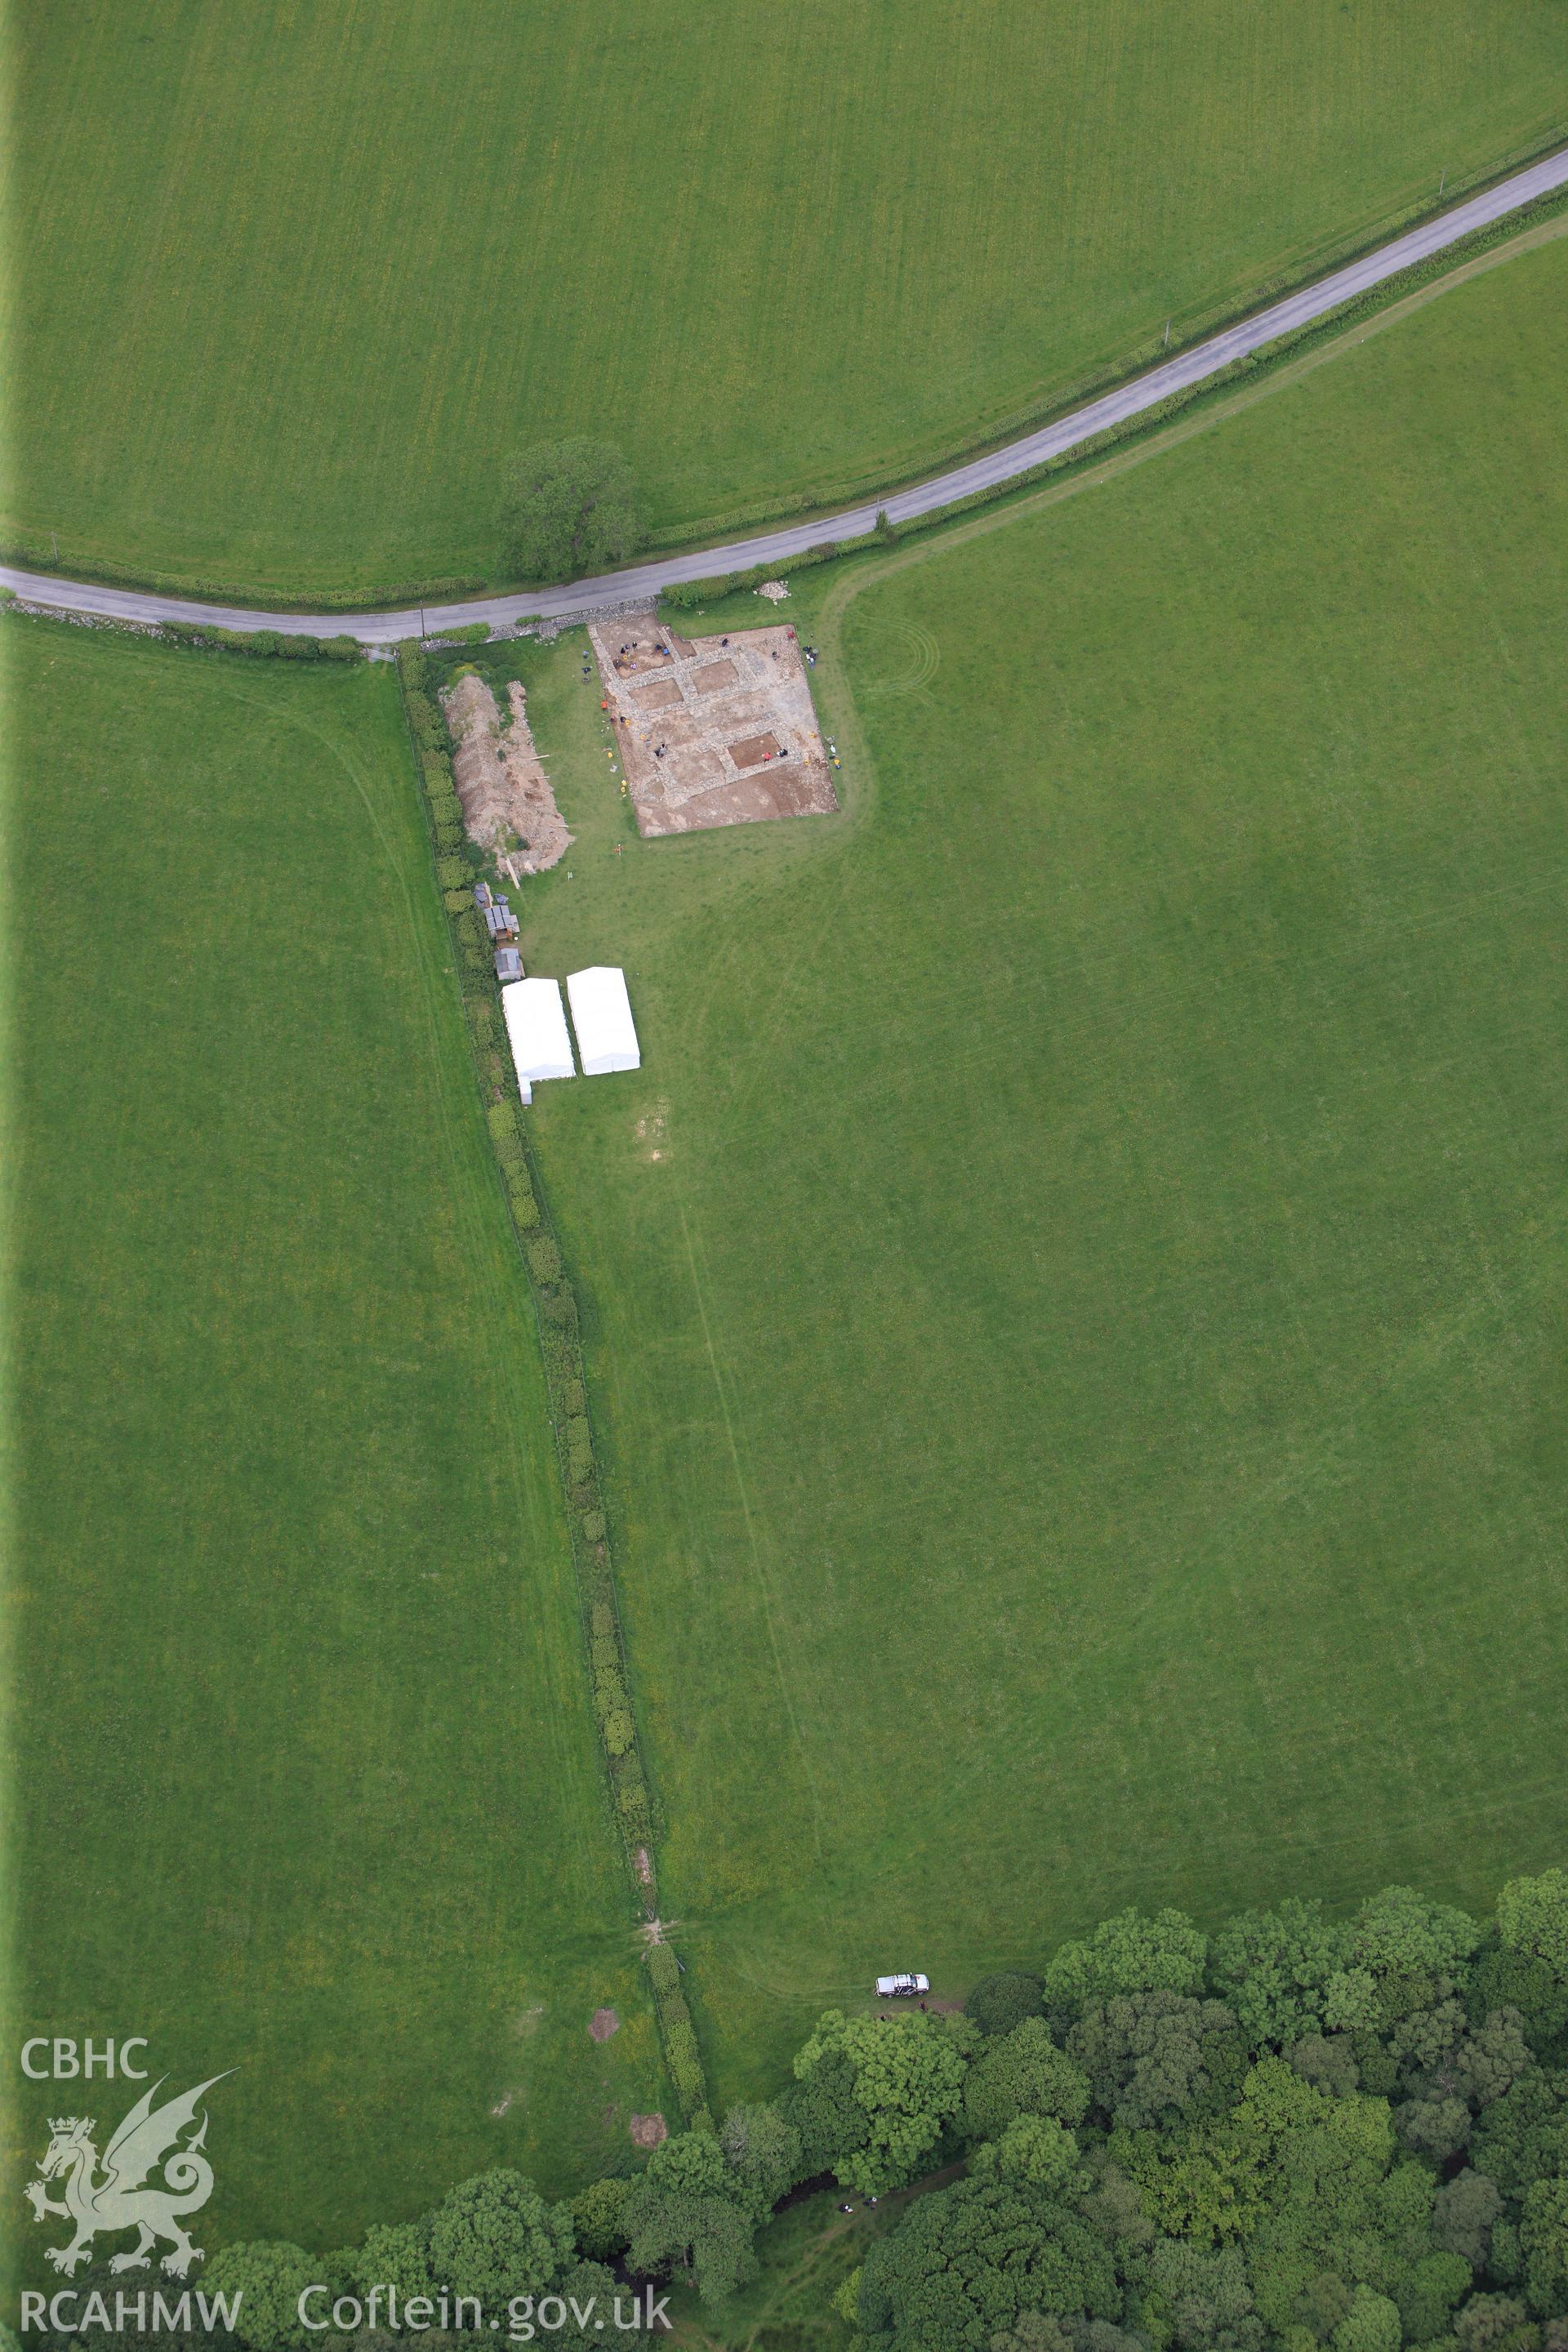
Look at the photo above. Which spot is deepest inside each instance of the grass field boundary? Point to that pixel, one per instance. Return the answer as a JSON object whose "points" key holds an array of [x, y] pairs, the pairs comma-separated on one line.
{"points": [[190, 636], [1270, 703], [38, 550], [473, 1550], [1519, 229], [1205, 407], [213, 592], [1516, 231], [1187, 327], [867, 560], [1230, 389], [556, 1308]]}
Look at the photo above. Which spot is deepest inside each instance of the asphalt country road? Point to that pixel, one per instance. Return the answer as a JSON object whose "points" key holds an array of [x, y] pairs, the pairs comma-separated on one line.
{"points": [[776, 547]]}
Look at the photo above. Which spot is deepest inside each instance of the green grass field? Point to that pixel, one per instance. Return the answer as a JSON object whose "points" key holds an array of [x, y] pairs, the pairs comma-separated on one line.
{"points": [[287, 284], [307, 1780], [1076, 1287]]}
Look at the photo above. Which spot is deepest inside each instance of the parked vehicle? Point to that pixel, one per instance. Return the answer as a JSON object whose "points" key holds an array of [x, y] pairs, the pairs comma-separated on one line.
{"points": [[905, 1987]]}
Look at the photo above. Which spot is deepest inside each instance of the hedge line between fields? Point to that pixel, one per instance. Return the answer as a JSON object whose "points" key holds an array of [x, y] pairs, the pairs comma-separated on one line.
{"points": [[555, 1302], [285, 644], [261, 645], [367, 596], [687, 595], [255, 644]]}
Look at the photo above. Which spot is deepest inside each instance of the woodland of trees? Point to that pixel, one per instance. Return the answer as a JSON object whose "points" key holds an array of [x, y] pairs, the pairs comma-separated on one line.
{"points": [[1298, 2132]]}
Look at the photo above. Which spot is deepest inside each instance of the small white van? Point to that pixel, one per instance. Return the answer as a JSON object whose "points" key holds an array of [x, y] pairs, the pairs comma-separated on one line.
{"points": [[902, 1988]]}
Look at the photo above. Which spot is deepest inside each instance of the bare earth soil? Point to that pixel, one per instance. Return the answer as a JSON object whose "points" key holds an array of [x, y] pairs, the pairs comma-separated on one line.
{"points": [[504, 791], [712, 731]]}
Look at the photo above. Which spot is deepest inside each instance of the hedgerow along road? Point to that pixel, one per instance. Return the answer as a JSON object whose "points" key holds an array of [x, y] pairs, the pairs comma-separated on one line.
{"points": [[779, 548]]}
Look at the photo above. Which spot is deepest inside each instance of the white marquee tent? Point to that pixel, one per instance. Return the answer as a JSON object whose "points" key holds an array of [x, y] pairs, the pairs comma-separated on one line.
{"points": [[536, 1031], [602, 1017]]}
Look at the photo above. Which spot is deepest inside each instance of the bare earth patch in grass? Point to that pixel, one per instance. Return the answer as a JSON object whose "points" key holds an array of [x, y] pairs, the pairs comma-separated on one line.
{"points": [[725, 734], [505, 794]]}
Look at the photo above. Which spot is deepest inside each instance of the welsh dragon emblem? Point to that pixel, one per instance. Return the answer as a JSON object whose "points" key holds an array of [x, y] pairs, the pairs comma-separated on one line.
{"points": [[117, 2198]]}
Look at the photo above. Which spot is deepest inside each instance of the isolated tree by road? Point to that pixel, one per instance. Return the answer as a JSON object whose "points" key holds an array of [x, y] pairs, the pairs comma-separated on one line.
{"points": [[570, 511]]}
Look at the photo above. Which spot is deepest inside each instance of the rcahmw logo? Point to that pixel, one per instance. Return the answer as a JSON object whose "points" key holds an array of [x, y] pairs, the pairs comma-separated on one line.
{"points": [[152, 2175]]}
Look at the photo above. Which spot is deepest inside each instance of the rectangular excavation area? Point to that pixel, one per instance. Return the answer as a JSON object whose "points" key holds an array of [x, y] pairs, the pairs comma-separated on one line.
{"points": [[507, 801], [712, 731], [754, 750]]}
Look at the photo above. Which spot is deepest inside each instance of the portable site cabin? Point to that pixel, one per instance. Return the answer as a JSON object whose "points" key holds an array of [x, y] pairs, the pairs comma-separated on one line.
{"points": [[602, 1017], [509, 964], [536, 1032], [902, 1988]]}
